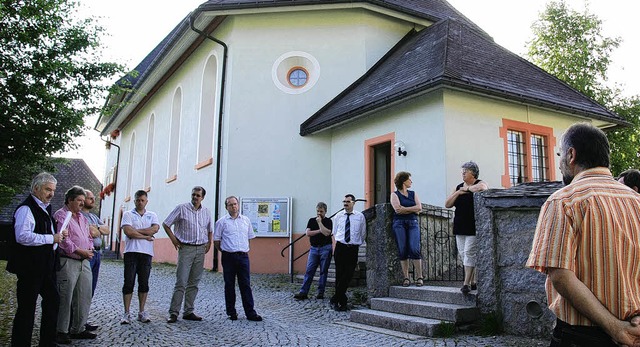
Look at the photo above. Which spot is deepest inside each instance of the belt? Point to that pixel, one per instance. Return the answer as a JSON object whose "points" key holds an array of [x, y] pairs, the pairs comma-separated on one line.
{"points": [[237, 253], [348, 244], [68, 257], [192, 244]]}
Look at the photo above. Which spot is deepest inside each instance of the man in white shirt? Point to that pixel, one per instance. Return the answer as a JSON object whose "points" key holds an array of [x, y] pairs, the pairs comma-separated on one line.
{"points": [[139, 226], [349, 228], [231, 237]]}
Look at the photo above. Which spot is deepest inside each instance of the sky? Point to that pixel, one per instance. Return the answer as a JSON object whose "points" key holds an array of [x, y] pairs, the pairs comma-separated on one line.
{"points": [[135, 27]]}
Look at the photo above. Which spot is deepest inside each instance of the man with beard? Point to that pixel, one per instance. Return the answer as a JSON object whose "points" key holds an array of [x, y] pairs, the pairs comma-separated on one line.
{"points": [[586, 241]]}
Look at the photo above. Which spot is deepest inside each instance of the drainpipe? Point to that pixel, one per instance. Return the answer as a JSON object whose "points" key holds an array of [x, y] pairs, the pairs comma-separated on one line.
{"points": [[115, 191], [225, 48]]}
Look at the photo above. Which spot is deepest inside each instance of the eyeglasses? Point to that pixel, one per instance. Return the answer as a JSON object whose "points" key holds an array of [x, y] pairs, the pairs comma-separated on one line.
{"points": [[347, 201]]}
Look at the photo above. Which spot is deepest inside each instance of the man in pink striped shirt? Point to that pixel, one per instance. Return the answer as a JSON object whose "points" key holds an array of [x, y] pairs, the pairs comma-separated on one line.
{"points": [[587, 241]]}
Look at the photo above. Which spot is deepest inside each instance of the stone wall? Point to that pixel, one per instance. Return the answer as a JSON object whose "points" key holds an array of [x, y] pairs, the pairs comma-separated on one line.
{"points": [[506, 222]]}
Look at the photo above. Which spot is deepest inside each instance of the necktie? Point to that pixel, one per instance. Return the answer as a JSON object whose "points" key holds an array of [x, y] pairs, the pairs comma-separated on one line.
{"points": [[347, 229]]}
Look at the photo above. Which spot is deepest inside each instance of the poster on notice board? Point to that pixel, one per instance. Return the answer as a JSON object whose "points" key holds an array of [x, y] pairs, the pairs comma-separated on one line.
{"points": [[270, 217]]}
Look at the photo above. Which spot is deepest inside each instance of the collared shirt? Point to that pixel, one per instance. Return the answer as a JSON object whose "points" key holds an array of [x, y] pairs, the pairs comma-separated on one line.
{"points": [[79, 236], [137, 221], [358, 227], [94, 220], [191, 226], [591, 227], [26, 223], [234, 233]]}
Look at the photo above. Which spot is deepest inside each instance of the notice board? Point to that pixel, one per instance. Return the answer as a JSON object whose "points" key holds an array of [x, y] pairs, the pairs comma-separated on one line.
{"points": [[270, 217]]}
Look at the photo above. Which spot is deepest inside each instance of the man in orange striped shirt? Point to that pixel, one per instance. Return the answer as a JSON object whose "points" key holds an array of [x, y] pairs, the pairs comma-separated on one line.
{"points": [[587, 241]]}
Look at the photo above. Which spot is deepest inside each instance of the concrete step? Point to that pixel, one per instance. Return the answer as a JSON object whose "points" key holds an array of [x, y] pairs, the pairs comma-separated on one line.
{"points": [[394, 321], [426, 309], [445, 295]]}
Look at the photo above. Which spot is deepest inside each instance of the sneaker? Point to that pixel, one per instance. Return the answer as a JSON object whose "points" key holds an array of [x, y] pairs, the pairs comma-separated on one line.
{"points": [[144, 317], [126, 318]]}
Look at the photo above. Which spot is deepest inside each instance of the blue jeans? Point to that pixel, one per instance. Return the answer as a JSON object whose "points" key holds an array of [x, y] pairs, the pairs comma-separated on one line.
{"points": [[317, 256], [95, 270], [407, 238]]}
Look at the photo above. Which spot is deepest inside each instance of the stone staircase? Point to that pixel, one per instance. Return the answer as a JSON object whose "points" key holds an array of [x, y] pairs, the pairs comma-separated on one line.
{"points": [[359, 276], [419, 310]]}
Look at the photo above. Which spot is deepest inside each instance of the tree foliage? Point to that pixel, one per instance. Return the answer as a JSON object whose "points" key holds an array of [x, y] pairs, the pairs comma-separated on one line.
{"points": [[51, 79], [571, 46]]}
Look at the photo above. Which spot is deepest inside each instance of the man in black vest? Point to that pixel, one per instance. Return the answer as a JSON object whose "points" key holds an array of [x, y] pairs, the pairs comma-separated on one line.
{"points": [[32, 259]]}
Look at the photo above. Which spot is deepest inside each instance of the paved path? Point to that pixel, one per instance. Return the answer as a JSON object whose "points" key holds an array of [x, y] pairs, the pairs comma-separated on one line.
{"points": [[286, 322]]}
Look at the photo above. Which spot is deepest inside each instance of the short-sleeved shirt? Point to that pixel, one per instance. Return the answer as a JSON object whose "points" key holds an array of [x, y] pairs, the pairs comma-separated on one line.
{"points": [[319, 240], [464, 219], [191, 226], [94, 220], [358, 227], [591, 227], [233, 233], [137, 221]]}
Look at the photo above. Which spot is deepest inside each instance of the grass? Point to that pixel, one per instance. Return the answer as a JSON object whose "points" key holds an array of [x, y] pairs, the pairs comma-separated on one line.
{"points": [[445, 329], [490, 324], [7, 302]]}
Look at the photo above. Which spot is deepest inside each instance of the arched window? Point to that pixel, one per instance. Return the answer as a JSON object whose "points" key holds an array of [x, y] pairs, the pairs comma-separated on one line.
{"points": [[132, 147], [206, 133], [149, 157], [174, 136]]}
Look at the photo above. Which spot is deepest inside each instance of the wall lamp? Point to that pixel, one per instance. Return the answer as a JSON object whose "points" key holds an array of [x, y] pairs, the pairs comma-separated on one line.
{"points": [[400, 148]]}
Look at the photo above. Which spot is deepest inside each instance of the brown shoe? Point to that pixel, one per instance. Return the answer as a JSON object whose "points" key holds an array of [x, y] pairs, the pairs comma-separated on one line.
{"points": [[192, 316]]}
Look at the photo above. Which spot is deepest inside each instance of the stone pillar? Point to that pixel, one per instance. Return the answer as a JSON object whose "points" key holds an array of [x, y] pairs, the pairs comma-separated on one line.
{"points": [[383, 268]]}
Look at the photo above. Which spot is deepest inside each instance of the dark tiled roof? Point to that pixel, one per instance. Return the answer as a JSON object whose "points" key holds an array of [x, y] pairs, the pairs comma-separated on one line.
{"points": [[70, 173], [525, 195], [432, 10], [450, 53]]}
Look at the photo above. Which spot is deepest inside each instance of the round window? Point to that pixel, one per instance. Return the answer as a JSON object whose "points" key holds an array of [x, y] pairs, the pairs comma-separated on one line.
{"points": [[298, 77]]}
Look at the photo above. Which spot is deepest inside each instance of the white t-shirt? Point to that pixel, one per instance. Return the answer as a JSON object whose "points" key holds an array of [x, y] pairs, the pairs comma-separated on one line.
{"points": [[136, 221]]}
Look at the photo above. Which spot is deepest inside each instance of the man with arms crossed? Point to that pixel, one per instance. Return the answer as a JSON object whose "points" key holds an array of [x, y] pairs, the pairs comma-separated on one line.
{"points": [[586, 241], [192, 238], [32, 259], [139, 226]]}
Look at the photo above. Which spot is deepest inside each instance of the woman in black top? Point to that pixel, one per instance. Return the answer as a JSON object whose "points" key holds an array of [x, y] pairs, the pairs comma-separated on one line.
{"points": [[464, 223]]}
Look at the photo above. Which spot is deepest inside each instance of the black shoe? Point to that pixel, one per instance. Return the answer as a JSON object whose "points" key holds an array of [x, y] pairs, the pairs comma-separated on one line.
{"points": [[91, 327], [84, 335], [191, 316], [320, 296], [256, 318], [465, 289], [233, 316], [342, 308], [300, 296], [474, 286], [63, 339], [172, 318]]}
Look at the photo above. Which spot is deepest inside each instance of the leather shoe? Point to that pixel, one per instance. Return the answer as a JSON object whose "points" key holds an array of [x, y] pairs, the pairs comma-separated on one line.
{"points": [[172, 318], [300, 296], [192, 316], [84, 335], [91, 327], [256, 318], [320, 296], [342, 308], [63, 339], [233, 316]]}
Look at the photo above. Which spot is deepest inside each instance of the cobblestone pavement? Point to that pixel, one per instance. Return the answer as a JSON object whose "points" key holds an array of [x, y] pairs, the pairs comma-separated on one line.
{"points": [[286, 322]]}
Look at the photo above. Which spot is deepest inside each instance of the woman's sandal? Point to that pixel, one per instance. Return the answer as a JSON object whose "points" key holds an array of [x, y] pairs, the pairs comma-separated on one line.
{"points": [[406, 282], [419, 282]]}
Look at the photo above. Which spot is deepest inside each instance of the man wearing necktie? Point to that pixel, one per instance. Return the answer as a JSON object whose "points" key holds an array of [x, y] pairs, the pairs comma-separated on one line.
{"points": [[349, 229]]}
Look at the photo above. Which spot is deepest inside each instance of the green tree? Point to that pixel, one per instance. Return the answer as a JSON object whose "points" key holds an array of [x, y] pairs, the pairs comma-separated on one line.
{"points": [[51, 79], [570, 45]]}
